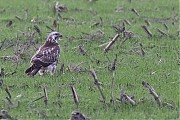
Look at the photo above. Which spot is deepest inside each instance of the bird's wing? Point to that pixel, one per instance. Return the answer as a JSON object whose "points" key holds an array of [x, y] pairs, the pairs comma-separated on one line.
{"points": [[46, 55]]}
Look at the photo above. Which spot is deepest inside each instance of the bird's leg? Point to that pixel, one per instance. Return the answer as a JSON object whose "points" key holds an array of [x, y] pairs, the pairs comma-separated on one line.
{"points": [[42, 71], [52, 70]]}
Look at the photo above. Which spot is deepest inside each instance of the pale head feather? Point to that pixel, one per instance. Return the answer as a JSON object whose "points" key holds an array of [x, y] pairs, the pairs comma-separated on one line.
{"points": [[54, 36]]}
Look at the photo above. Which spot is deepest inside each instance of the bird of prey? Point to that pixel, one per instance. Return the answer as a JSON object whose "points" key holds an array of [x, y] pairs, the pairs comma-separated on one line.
{"points": [[46, 57]]}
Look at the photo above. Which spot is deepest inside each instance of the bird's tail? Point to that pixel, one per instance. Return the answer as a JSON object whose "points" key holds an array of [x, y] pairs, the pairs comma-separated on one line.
{"points": [[32, 70]]}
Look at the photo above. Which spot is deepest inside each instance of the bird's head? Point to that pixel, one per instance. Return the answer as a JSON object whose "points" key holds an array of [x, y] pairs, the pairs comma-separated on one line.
{"points": [[54, 36]]}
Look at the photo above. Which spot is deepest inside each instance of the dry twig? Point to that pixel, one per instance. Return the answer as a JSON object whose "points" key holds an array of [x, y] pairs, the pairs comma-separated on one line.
{"points": [[84, 52], [74, 95], [160, 31], [129, 99], [20, 19], [8, 99], [111, 43], [8, 92], [59, 92], [134, 10], [166, 27], [146, 30], [61, 71], [128, 35], [97, 83], [36, 28], [112, 89], [147, 22], [151, 91], [142, 49], [49, 28], [45, 95], [38, 98], [127, 21], [95, 24]]}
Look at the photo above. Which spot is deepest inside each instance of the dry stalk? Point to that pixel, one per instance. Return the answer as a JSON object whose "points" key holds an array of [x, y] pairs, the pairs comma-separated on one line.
{"points": [[129, 35], [114, 64], [79, 65], [74, 95], [119, 29], [55, 24], [134, 10], [151, 91], [49, 28], [129, 99], [113, 67], [127, 21], [84, 52], [2, 43], [135, 51], [8, 92], [31, 37], [36, 28], [112, 89], [107, 57], [103, 44], [100, 31], [97, 83], [61, 71], [20, 19], [146, 30], [101, 20], [147, 22], [168, 104], [18, 104], [59, 15], [59, 92], [160, 31], [121, 94], [8, 99], [111, 43], [166, 27], [95, 24], [45, 95], [38, 99], [142, 49]]}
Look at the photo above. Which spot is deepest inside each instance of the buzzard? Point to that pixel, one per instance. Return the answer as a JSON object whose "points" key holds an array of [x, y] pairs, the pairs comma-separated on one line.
{"points": [[46, 57]]}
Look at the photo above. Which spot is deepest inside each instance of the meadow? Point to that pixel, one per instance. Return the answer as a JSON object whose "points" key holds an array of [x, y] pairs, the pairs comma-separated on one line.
{"points": [[145, 35]]}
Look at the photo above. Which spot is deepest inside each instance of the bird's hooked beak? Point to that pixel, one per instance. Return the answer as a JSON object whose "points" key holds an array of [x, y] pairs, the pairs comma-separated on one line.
{"points": [[59, 35]]}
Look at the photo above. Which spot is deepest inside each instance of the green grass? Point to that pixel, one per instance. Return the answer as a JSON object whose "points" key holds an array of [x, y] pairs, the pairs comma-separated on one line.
{"points": [[131, 68]]}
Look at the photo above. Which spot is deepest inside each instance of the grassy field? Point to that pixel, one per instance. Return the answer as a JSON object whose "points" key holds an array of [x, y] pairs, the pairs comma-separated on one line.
{"points": [[91, 24]]}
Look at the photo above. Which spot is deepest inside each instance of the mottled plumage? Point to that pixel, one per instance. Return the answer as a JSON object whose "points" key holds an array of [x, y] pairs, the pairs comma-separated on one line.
{"points": [[46, 57]]}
